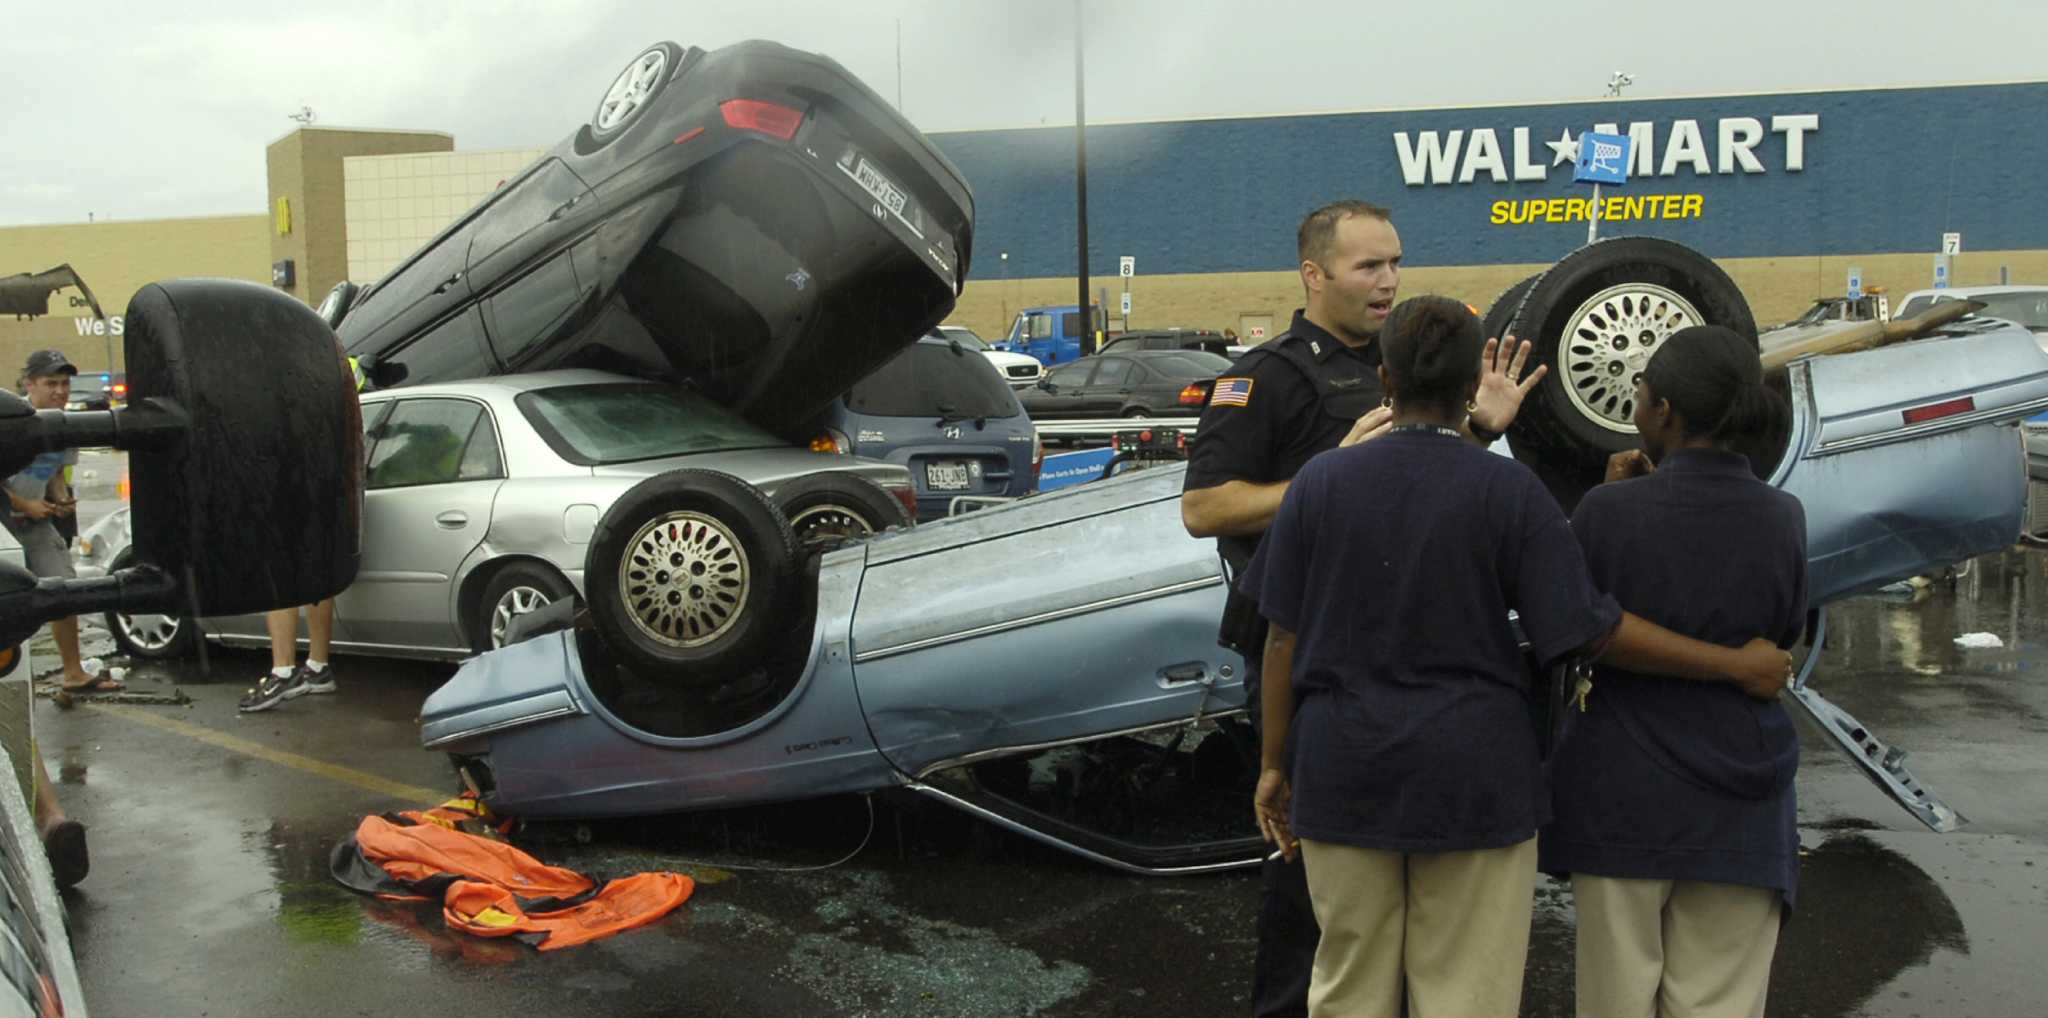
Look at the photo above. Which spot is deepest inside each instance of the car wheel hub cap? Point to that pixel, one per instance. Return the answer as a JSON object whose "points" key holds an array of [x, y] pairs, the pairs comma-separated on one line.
{"points": [[1608, 342], [149, 632], [685, 579], [514, 603], [828, 522], [631, 89]]}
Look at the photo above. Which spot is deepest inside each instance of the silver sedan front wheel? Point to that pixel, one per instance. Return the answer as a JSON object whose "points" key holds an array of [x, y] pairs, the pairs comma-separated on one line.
{"points": [[155, 633]]}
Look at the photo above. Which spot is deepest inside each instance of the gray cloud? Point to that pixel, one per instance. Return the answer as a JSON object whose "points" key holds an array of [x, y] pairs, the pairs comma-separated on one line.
{"points": [[163, 109]]}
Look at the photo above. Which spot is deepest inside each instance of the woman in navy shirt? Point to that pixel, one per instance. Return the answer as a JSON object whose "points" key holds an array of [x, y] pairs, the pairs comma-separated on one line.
{"points": [[1411, 767], [1673, 800]]}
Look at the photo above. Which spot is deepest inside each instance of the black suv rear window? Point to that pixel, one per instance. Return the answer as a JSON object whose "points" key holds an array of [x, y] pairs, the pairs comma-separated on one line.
{"points": [[934, 380]]}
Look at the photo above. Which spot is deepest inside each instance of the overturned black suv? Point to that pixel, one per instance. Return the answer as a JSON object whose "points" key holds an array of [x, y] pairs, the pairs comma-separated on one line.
{"points": [[752, 220]]}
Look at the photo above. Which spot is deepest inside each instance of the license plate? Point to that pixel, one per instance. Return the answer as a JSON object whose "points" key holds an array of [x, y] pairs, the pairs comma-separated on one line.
{"points": [[872, 180], [949, 476]]}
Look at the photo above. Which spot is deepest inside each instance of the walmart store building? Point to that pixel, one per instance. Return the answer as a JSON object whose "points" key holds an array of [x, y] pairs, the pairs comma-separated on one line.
{"points": [[1788, 191]]}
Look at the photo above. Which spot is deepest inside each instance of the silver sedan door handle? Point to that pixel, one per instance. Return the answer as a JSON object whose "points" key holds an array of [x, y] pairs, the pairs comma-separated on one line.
{"points": [[453, 519]]}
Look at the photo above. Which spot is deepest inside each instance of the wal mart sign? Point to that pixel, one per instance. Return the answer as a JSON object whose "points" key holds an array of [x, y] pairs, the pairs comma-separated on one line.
{"points": [[1846, 172]]}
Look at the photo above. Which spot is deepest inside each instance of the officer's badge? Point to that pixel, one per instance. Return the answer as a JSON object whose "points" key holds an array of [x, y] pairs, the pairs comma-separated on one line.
{"points": [[1231, 392]]}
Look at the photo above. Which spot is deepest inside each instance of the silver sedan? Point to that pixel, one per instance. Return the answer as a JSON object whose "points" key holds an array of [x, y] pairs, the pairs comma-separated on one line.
{"points": [[481, 499]]}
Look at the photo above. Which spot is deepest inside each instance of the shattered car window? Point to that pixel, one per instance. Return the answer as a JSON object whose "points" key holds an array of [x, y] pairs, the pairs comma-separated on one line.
{"points": [[591, 425], [422, 443]]}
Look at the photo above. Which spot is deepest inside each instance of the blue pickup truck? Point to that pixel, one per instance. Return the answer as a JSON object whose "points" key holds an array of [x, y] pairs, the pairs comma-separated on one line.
{"points": [[1054, 333]]}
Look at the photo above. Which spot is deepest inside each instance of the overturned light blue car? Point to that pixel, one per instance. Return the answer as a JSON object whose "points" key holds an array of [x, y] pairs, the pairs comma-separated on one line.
{"points": [[1051, 665]]}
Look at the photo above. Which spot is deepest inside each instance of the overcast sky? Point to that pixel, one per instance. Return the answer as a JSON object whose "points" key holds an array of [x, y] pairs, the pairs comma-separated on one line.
{"points": [[149, 110]]}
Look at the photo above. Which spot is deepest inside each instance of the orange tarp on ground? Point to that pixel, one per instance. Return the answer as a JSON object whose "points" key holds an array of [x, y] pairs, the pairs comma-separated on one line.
{"points": [[492, 889]]}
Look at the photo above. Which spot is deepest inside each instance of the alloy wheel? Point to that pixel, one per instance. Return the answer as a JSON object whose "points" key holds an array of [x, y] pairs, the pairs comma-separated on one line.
{"points": [[630, 90], [685, 580], [512, 604], [1608, 342], [153, 633]]}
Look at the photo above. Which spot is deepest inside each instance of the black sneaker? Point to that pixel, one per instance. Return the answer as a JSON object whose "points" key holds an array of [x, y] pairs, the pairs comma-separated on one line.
{"points": [[306, 680], [269, 692]]}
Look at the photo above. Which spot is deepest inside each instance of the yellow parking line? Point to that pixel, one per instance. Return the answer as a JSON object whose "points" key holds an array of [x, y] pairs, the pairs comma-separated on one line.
{"points": [[333, 772]]}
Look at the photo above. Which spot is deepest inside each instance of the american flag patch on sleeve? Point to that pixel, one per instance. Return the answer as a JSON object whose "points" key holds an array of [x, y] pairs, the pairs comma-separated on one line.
{"points": [[1231, 392]]}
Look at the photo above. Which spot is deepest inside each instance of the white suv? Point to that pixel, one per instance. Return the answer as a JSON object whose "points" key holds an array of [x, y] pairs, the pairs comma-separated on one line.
{"points": [[1021, 371]]}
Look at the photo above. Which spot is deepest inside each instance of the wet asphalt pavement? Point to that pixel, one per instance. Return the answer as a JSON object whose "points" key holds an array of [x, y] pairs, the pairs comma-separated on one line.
{"points": [[209, 892]]}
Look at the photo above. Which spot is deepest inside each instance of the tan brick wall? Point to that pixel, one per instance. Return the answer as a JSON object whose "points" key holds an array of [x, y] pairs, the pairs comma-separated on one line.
{"points": [[1777, 288], [397, 203], [116, 259], [305, 168]]}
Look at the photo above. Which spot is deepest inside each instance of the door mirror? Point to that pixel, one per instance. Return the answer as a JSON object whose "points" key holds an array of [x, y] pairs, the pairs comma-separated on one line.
{"points": [[271, 464], [246, 460]]}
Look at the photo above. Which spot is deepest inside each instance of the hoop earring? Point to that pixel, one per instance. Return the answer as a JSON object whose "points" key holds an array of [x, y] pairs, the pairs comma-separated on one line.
{"points": [[1471, 406], [1387, 402]]}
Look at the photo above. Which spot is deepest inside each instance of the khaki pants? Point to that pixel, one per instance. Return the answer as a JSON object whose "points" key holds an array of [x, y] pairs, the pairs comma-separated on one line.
{"points": [[1452, 928], [1673, 948]]}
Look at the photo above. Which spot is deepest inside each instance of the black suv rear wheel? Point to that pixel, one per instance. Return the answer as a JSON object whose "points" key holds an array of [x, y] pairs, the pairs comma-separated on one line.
{"points": [[631, 93]]}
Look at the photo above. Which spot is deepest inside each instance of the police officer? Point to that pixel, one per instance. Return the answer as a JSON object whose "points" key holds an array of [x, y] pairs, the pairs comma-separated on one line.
{"points": [[1314, 388]]}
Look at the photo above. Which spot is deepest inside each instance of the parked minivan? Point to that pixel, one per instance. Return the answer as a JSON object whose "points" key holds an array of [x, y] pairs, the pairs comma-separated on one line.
{"points": [[942, 410]]}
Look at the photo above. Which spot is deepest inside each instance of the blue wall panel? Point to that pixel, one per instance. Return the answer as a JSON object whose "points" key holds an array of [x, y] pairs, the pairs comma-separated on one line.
{"points": [[1885, 171]]}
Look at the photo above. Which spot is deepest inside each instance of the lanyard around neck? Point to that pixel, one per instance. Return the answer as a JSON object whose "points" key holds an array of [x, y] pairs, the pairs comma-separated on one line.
{"points": [[1438, 428]]}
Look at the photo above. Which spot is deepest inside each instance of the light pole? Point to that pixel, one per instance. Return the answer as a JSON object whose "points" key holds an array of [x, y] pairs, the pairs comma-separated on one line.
{"points": [[1619, 81], [1081, 185]]}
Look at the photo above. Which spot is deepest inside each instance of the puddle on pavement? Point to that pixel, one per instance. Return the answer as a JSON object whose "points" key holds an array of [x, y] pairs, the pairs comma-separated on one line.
{"points": [[1866, 915]]}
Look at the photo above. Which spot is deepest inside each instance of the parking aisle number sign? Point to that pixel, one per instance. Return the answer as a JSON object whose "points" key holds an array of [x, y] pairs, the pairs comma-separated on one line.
{"points": [[1127, 266], [1951, 243]]}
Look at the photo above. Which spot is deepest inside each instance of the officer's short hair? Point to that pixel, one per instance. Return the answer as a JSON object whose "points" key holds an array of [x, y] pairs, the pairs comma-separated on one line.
{"points": [[1319, 230]]}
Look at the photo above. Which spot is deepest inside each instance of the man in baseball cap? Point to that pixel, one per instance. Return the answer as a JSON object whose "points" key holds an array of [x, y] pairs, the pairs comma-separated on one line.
{"points": [[49, 364], [38, 497]]}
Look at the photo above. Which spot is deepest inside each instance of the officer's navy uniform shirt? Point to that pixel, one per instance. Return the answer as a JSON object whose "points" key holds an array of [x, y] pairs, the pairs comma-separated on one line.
{"points": [[1667, 779], [1395, 562], [1287, 416]]}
